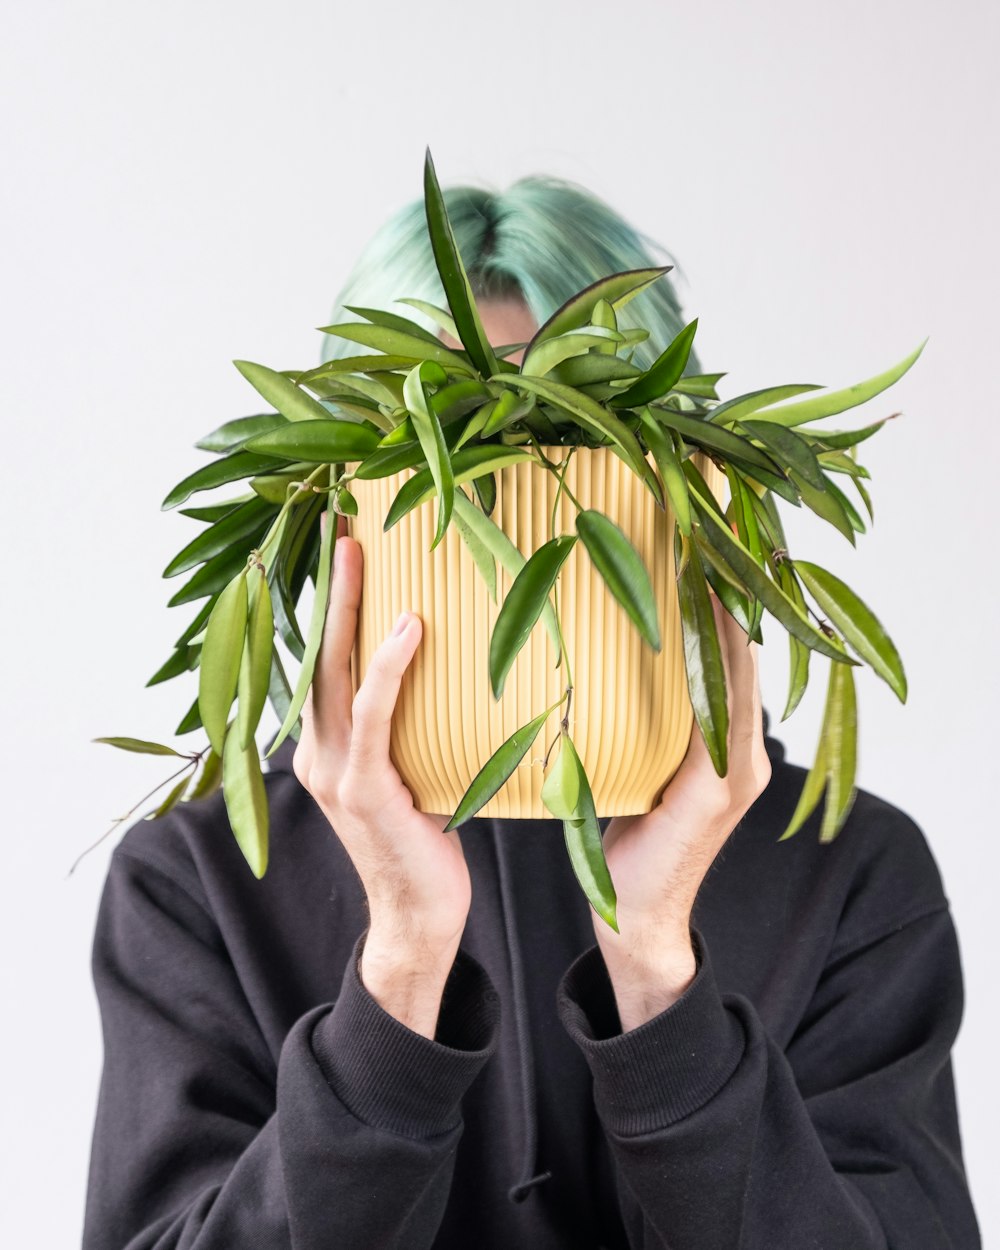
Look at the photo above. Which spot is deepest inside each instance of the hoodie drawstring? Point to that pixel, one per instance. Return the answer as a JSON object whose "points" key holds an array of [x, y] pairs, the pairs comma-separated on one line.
{"points": [[529, 1176]]}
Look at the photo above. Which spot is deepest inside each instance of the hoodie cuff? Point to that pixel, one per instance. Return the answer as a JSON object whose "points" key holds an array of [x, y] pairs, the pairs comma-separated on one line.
{"points": [[653, 1075], [391, 1077]]}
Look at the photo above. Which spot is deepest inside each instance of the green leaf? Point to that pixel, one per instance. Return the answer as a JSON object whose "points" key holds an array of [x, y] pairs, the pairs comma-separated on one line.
{"points": [[812, 787], [855, 620], [551, 352], [826, 505], [454, 279], [561, 787], [616, 288], [661, 443], [210, 778], [213, 576], [509, 407], [140, 745], [231, 434], [246, 801], [585, 845], [237, 464], [722, 538], [624, 573], [393, 321], [255, 668], [498, 768], [587, 413], [842, 439], [661, 375], [439, 316], [316, 623], [727, 586], [592, 369], [740, 406], [798, 675], [398, 346], [841, 729], [496, 541], [523, 605], [819, 406], [170, 801], [703, 663], [325, 441], [241, 523], [467, 465], [480, 553], [701, 385], [705, 435], [789, 448], [431, 436], [221, 654], [290, 399], [216, 511]]}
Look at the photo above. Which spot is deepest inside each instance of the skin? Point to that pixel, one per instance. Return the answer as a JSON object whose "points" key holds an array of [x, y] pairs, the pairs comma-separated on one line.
{"points": [[414, 874]]}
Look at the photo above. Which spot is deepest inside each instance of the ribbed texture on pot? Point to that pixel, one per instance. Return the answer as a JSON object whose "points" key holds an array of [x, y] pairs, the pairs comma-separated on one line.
{"points": [[631, 714]]}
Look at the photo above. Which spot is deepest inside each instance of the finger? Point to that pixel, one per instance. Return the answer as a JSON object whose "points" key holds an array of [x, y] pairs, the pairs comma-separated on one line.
{"points": [[376, 698], [332, 691]]}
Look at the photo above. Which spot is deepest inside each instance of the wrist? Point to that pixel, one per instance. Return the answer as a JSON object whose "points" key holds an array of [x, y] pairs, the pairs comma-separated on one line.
{"points": [[648, 979], [406, 982]]}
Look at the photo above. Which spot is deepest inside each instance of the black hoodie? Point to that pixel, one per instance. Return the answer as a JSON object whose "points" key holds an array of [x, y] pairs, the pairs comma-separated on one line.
{"points": [[799, 1094]]}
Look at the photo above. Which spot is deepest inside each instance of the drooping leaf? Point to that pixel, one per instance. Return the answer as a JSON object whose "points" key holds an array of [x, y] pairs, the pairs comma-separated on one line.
{"points": [[439, 316], [523, 605], [841, 752], [221, 654], [707, 436], [213, 576], [661, 442], [173, 797], [798, 674], [757, 582], [856, 621], [432, 440], [812, 788], [561, 787], [245, 797], [552, 351], [585, 845], [498, 544], [791, 448], [380, 317], [467, 465], [241, 523], [622, 569], [255, 667], [703, 663], [316, 624], [498, 768]]}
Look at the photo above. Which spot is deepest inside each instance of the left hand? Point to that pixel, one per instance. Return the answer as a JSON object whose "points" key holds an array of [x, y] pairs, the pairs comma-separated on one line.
{"points": [[658, 860]]}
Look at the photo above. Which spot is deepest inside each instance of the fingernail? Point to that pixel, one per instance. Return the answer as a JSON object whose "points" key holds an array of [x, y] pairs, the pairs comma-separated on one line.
{"points": [[401, 623]]}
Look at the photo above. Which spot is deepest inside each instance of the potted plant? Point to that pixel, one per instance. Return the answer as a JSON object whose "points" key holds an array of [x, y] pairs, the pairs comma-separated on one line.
{"points": [[619, 470]]}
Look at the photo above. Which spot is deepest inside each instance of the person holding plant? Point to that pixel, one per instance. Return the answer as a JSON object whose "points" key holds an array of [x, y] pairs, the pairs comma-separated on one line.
{"points": [[411, 1036]]}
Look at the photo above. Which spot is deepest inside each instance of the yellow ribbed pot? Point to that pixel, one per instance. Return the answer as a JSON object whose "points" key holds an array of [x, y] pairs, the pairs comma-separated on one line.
{"points": [[631, 716]]}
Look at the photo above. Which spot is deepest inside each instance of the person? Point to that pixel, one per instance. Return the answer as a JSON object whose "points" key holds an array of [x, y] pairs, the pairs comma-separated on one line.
{"points": [[407, 1037]]}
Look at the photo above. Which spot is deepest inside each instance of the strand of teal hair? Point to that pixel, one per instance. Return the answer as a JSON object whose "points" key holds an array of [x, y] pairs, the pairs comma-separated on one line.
{"points": [[545, 236]]}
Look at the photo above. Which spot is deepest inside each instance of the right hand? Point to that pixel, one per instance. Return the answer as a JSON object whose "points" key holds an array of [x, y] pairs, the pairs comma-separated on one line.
{"points": [[414, 874]]}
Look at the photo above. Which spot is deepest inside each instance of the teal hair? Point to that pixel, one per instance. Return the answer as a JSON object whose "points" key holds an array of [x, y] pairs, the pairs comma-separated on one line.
{"points": [[541, 240]]}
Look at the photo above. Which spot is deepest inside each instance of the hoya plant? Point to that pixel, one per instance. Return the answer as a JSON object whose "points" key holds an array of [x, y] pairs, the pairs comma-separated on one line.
{"points": [[457, 417]]}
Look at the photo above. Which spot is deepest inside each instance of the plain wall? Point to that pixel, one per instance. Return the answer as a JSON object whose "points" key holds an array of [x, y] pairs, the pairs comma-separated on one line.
{"points": [[187, 185]]}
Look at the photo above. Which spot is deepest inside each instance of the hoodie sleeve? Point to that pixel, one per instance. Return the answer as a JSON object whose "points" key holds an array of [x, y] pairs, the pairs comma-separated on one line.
{"points": [[849, 1140], [202, 1142]]}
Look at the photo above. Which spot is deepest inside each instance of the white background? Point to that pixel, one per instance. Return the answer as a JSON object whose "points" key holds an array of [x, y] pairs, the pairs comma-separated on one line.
{"points": [[187, 184]]}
